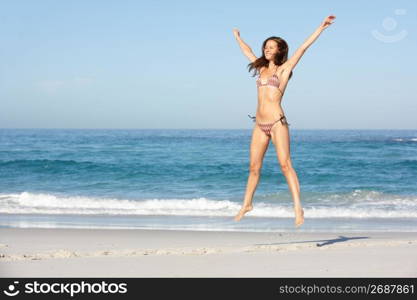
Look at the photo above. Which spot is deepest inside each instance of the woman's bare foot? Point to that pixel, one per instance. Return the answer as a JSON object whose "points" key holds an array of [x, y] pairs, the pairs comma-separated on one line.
{"points": [[299, 217], [243, 211]]}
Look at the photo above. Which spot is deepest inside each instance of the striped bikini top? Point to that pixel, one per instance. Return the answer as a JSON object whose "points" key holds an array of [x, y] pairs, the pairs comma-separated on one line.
{"points": [[271, 81]]}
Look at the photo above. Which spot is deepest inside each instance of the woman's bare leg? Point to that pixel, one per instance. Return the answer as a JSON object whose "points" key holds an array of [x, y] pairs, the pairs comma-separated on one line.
{"points": [[258, 147], [281, 139]]}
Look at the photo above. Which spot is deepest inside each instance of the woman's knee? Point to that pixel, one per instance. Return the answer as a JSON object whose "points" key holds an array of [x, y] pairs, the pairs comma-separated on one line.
{"points": [[286, 166], [255, 169]]}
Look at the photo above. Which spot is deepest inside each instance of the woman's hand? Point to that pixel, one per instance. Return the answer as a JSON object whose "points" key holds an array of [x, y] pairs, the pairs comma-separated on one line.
{"points": [[236, 32], [326, 23]]}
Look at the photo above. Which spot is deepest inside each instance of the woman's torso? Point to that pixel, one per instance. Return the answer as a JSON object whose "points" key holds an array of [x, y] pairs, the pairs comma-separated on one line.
{"points": [[271, 87]]}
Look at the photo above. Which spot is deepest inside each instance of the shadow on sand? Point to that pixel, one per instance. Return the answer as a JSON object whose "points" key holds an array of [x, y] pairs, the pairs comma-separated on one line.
{"points": [[321, 243]]}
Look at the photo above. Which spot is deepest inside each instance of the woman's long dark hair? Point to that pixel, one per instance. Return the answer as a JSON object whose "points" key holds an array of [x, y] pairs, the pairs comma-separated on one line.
{"points": [[280, 58]]}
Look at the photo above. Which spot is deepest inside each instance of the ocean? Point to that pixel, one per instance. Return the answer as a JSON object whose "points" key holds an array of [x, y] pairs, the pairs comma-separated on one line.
{"points": [[350, 180]]}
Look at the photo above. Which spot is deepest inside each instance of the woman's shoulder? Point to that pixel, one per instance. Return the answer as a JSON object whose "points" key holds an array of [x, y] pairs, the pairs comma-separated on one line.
{"points": [[259, 70], [283, 69]]}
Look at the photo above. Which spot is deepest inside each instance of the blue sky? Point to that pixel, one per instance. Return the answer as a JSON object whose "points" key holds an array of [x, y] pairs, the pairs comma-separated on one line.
{"points": [[176, 64]]}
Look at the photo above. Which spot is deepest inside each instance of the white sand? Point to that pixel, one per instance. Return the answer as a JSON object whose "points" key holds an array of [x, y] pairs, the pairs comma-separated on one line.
{"points": [[168, 253]]}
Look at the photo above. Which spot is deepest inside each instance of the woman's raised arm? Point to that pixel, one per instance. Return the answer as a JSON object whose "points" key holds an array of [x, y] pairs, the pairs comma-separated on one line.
{"points": [[247, 51], [292, 62]]}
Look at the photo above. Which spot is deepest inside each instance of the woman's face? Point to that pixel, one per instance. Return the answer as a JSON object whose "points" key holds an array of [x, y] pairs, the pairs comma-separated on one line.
{"points": [[271, 48]]}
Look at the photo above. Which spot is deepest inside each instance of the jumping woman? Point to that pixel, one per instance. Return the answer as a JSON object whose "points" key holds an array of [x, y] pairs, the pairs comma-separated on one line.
{"points": [[274, 71]]}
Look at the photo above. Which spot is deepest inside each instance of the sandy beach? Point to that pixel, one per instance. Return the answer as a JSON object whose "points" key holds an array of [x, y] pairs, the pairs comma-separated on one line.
{"points": [[169, 253]]}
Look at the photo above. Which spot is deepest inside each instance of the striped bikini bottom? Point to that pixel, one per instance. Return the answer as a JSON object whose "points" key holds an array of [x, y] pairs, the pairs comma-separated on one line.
{"points": [[266, 127]]}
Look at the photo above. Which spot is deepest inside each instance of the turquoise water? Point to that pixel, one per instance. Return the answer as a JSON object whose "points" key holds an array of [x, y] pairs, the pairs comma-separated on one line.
{"points": [[195, 179]]}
